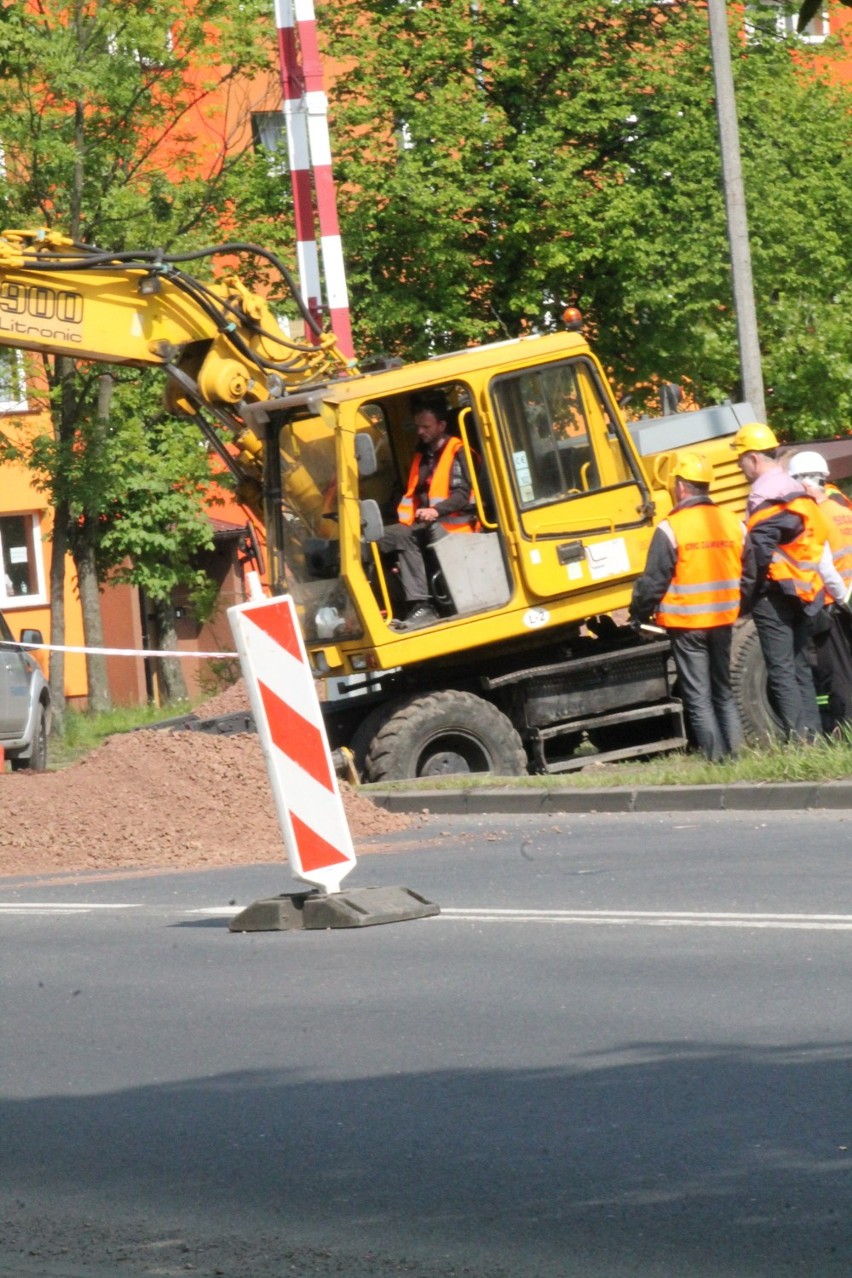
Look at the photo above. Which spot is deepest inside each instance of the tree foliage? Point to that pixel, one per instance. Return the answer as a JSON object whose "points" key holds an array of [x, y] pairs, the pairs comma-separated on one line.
{"points": [[501, 159], [113, 124], [118, 124]]}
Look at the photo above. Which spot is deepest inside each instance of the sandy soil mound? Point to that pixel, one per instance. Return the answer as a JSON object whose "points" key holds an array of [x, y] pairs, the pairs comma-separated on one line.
{"points": [[156, 799]]}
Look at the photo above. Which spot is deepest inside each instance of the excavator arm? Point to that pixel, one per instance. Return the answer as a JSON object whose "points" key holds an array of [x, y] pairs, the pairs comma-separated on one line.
{"points": [[220, 344]]}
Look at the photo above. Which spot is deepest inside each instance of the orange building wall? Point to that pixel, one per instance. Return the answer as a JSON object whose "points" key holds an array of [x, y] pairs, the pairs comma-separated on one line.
{"points": [[841, 25]]}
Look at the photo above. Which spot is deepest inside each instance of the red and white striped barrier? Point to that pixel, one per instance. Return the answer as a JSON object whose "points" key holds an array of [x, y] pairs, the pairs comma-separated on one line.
{"points": [[309, 147], [287, 713], [298, 155]]}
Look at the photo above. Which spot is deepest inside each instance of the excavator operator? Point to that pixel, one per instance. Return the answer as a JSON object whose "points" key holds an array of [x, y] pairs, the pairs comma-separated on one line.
{"points": [[438, 500]]}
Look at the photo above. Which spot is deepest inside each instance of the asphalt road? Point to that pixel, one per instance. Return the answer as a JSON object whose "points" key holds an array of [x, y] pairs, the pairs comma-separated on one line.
{"points": [[623, 1048]]}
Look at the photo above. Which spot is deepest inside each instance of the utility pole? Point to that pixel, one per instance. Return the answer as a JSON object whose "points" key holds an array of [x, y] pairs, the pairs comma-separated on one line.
{"points": [[735, 209]]}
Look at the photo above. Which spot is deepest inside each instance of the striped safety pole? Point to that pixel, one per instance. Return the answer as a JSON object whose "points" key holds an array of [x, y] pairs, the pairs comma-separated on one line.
{"points": [[298, 155], [289, 722], [309, 149]]}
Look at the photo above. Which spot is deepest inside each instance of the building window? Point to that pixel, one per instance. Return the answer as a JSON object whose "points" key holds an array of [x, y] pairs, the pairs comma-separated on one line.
{"points": [[13, 384], [22, 577], [815, 32], [783, 20], [149, 62]]}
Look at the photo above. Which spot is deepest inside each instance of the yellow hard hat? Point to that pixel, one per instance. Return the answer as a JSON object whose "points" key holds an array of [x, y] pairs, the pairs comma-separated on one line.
{"points": [[693, 467], [754, 437]]}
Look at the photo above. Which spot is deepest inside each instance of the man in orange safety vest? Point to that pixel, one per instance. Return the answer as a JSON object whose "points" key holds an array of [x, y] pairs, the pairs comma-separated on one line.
{"points": [[699, 566], [831, 629], [438, 499], [795, 577]]}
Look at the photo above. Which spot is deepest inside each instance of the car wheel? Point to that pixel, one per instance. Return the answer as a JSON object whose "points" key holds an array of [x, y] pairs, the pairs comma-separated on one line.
{"points": [[36, 760]]}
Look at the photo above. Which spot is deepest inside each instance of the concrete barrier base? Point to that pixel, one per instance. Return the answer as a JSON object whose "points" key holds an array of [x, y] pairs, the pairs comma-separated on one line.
{"points": [[359, 907]]}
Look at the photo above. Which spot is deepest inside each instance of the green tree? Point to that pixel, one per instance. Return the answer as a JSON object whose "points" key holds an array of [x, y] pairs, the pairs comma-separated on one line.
{"points": [[499, 160], [110, 131], [158, 525]]}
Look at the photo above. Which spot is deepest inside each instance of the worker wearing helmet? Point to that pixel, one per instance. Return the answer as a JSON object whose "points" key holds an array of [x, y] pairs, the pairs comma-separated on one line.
{"points": [[756, 445], [811, 470], [795, 573], [699, 566], [831, 631]]}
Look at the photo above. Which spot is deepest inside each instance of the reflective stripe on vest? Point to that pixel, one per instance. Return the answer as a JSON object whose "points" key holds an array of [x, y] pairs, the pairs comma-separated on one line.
{"points": [[439, 490], [704, 591], [838, 519], [794, 567], [837, 495]]}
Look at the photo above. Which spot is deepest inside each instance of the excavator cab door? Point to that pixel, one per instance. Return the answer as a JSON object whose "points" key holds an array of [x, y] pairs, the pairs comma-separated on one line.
{"points": [[579, 489]]}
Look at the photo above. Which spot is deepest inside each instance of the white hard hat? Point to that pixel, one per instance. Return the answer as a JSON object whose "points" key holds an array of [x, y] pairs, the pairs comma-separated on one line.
{"points": [[808, 465]]}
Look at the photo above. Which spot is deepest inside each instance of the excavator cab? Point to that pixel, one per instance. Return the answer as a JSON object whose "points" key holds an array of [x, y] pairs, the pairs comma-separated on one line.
{"points": [[563, 504]]}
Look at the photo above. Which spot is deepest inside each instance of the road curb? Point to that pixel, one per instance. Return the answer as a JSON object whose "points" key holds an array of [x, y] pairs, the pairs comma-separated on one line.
{"points": [[784, 797]]}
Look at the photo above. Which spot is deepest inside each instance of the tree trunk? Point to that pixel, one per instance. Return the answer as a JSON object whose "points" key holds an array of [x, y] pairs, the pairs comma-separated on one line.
{"points": [[169, 673], [86, 560], [61, 379], [90, 603]]}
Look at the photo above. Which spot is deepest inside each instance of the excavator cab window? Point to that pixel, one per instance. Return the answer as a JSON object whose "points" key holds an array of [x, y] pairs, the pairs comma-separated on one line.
{"points": [[382, 484], [564, 440], [310, 509], [544, 415]]}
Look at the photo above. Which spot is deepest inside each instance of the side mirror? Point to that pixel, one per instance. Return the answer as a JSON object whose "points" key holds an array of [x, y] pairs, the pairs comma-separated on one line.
{"points": [[365, 456], [31, 637], [372, 524]]}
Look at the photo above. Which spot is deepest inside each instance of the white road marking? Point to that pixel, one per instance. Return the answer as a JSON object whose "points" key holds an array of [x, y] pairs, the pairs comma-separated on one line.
{"points": [[62, 907], [83, 907], [218, 911], [657, 918], [484, 914]]}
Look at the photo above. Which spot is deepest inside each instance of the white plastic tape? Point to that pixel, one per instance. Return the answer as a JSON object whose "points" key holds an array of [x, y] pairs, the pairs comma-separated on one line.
{"points": [[113, 652]]}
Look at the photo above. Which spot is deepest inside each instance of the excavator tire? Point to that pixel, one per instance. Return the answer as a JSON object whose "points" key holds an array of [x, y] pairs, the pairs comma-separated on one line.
{"points": [[445, 733], [362, 738], [750, 688]]}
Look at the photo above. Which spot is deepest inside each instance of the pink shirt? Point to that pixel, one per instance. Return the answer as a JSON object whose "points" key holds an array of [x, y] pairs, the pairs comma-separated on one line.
{"points": [[777, 483], [771, 485]]}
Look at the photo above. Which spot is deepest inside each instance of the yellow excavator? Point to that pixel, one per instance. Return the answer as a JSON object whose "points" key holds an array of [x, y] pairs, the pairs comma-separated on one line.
{"points": [[529, 664]]}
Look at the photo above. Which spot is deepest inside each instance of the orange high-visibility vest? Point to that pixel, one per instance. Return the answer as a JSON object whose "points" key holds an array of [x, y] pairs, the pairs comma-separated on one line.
{"points": [[795, 566], [834, 493], [838, 519], [704, 591], [439, 490]]}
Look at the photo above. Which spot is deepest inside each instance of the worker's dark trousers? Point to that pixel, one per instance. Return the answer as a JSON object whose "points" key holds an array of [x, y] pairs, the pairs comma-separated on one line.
{"points": [[407, 542], [703, 662], [784, 634], [833, 673]]}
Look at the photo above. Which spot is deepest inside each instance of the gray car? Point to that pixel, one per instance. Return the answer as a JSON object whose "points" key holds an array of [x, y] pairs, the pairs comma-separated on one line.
{"points": [[24, 702]]}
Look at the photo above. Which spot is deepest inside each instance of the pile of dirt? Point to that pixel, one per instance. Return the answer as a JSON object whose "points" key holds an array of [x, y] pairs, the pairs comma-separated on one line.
{"points": [[231, 700], [157, 799]]}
